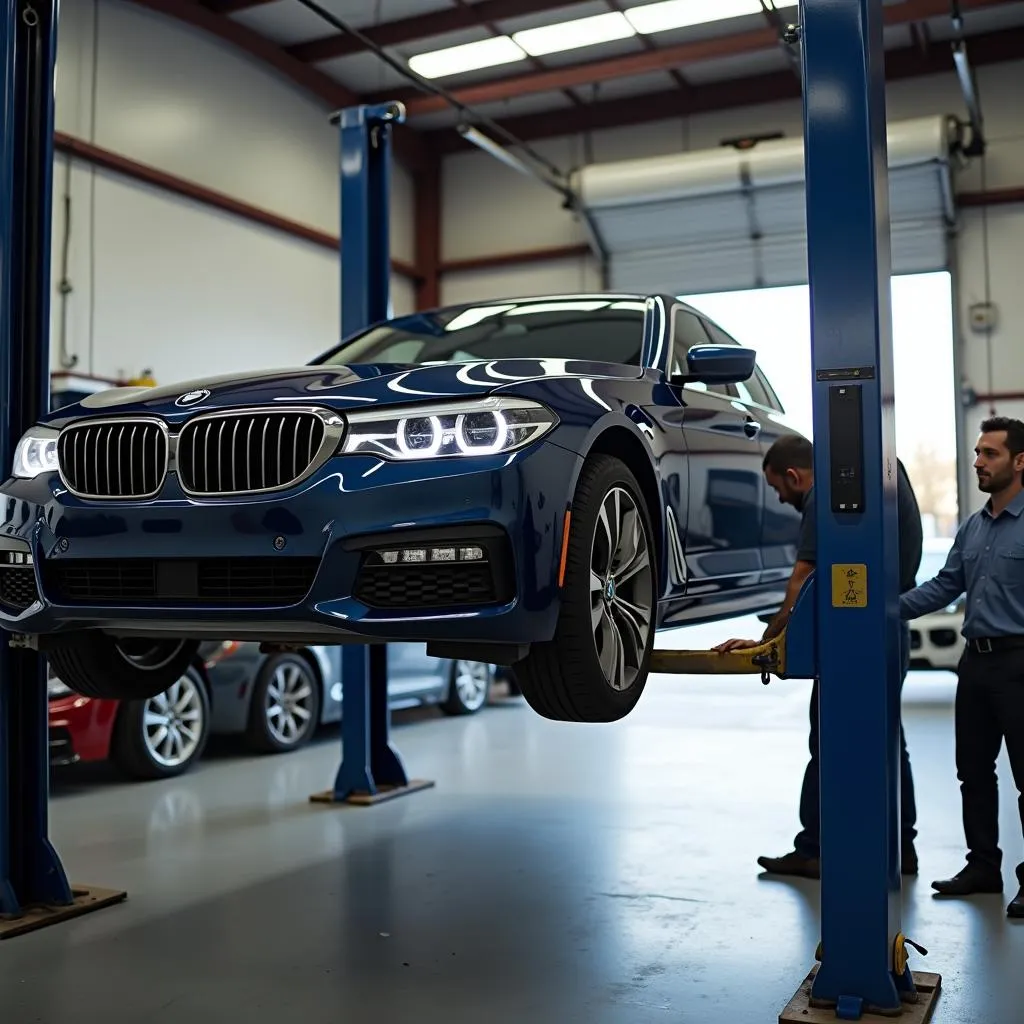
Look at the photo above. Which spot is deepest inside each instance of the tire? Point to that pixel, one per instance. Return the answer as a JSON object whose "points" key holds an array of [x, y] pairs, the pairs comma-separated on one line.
{"points": [[164, 735], [284, 710], [609, 604], [469, 687], [94, 664]]}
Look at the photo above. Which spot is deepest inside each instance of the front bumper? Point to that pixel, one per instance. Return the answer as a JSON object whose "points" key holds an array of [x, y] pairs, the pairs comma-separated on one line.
{"points": [[519, 499]]}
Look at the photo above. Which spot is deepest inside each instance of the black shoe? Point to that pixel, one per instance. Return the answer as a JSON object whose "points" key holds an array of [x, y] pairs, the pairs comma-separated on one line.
{"points": [[908, 860], [969, 881], [1016, 907], [792, 864]]}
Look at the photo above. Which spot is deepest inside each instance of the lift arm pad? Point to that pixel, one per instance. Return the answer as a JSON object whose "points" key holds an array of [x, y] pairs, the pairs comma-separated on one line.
{"points": [[768, 657]]}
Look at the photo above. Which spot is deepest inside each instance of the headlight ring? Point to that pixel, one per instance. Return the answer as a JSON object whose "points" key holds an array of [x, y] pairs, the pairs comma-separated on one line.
{"points": [[491, 426]]}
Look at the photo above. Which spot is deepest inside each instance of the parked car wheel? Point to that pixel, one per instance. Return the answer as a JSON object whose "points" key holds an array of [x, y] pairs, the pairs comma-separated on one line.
{"points": [[165, 734], [595, 668], [94, 664], [284, 711], [468, 687]]}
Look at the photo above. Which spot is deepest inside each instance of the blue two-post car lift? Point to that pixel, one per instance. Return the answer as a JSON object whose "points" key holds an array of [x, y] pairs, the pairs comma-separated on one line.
{"points": [[844, 629], [371, 770]]}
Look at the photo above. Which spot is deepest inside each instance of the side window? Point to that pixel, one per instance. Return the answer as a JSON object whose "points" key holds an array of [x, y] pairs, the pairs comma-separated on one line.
{"points": [[688, 330], [755, 390]]}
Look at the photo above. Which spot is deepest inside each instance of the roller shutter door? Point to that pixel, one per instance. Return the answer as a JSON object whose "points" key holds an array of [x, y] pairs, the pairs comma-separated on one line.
{"points": [[724, 219]]}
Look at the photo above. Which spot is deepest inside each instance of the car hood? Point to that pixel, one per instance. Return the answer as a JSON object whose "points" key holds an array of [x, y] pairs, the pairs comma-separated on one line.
{"points": [[356, 386]]}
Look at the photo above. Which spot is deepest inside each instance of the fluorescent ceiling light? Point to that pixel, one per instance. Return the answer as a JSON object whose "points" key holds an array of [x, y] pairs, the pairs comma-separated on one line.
{"points": [[683, 13], [453, 60], [571, 35]]}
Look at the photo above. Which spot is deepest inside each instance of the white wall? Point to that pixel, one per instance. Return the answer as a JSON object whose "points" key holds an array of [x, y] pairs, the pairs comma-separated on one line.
{"points": [[490, 209], [161, 282]]}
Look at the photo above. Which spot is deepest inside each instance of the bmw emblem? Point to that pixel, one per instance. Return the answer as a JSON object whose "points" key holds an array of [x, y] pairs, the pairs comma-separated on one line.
{"points": [[192, 397]]}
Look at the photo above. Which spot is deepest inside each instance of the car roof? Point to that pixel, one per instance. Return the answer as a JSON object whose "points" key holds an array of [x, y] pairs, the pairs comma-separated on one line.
{"points": [[584, 296]]}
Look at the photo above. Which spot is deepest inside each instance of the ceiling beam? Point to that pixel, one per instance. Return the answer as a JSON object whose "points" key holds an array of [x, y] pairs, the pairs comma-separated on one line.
{"points": [[906, 62], [661, 59], [423, 26], [575, 75], [334, 96]]}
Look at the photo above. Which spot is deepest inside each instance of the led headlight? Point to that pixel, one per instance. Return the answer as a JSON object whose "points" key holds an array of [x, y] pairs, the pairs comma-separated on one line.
{"points": [[487, 426], [36, 453]]}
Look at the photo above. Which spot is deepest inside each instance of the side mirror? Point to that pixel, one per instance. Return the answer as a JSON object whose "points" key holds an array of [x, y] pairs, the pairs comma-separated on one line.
{"points": [[718, 364]]}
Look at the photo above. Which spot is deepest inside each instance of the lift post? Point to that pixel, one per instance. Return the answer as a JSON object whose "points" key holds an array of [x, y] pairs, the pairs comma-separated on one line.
{"points": [[34, 889], [371, 769], [863, 952]]}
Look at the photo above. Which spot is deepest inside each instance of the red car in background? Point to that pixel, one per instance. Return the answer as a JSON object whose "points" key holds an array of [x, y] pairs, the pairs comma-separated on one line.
{"points": [[275, 701]]}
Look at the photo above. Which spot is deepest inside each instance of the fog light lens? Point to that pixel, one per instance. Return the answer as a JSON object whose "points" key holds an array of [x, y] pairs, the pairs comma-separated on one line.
{"points": [[465, 553]]}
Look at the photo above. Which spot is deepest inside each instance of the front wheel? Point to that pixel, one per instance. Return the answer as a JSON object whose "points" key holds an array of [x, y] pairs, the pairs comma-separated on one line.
{"points": [[96, 665], [595, 668]]}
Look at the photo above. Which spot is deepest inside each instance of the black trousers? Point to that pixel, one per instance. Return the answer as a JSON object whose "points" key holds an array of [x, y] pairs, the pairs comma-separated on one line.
{"points": [[808, 839], [989, 710]]}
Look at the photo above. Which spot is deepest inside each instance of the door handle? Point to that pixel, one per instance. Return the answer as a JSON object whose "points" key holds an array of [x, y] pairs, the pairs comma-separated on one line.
{"points": [[751, 428]]}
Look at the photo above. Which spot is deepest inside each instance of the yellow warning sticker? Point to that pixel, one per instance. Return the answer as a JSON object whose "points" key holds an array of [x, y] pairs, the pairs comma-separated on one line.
{"points": [[849, 586]]}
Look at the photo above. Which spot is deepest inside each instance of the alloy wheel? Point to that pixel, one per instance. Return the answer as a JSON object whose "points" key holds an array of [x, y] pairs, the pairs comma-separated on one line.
{"points": [[621, 588], [172, 723], [289, 703], [472, 681]]}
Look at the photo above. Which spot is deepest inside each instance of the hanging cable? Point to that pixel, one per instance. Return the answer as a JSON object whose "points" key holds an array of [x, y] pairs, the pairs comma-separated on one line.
{"points": [[428, 86]]}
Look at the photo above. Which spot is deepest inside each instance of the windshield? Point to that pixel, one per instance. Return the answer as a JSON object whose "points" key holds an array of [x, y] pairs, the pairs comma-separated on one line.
{"points": [[606, 330]]}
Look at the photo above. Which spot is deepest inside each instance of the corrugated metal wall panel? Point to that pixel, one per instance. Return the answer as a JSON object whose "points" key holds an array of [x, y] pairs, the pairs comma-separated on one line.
{"points": [[726, 220]]}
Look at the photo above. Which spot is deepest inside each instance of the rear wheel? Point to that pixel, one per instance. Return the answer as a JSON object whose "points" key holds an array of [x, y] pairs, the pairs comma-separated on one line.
{"points": [[468, 687], [285, 708], [164, 735], [595, 668], [130, 668]]}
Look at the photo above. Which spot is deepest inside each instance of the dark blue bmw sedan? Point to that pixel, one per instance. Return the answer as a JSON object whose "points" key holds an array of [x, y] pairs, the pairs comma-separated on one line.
{"points": [[539, 483]]}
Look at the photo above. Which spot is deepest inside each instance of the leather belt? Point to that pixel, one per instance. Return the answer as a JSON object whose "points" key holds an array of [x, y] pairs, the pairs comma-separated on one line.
{"points": [[994, 644]]}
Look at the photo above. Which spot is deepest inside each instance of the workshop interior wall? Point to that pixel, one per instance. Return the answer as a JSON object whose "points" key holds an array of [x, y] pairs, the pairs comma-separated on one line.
{"points": [[159, 281], [490, 209]]}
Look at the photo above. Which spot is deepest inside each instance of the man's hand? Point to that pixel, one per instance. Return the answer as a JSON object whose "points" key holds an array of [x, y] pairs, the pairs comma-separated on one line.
{"points": [[736, 645]]}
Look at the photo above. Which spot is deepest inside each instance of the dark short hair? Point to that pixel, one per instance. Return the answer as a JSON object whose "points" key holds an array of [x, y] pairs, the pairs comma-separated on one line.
{"points": [[789, 452], [1014, 431]]}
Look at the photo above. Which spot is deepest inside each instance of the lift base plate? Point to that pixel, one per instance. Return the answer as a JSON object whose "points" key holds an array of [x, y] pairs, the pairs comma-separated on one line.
{"points": [[86, 900], [369, 799], [802, 1010]]}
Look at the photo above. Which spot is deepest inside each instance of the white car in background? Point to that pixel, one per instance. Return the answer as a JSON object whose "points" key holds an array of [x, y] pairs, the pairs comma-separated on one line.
{"points": [[935, 640]]}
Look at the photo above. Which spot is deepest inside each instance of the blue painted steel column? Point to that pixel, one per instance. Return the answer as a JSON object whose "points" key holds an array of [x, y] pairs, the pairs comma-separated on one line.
{"points": [[858, 643], [30, 870], [368, 759]]}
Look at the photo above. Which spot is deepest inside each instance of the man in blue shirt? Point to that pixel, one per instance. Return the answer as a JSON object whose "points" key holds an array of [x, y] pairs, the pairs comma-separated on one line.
{"points": [[789, 470], [987, 562]]}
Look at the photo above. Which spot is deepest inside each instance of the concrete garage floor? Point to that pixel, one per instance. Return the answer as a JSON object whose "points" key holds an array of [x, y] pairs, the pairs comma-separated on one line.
{"points": [[556, 874]]}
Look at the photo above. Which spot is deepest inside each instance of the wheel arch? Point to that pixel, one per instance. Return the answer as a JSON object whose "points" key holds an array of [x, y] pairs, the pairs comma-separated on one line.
{"points": [[626, 445]]}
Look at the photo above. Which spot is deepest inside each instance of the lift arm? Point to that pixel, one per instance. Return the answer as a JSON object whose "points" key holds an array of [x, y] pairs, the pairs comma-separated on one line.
{"points": [[790, 655]]}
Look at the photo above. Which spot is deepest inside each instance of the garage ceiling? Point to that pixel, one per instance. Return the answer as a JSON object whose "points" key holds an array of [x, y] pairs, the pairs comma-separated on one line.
{"points": [[641, 76]]}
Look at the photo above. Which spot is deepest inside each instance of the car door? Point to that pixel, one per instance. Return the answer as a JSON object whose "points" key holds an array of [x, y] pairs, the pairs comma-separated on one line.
{"points": [[725, 484], [781, 523]]}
